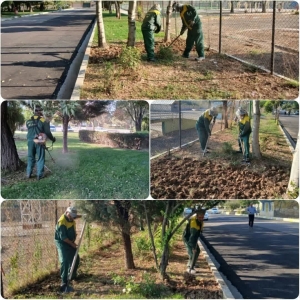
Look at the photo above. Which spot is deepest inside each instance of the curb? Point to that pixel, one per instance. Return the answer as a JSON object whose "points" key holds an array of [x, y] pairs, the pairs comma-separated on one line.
{"points": [[272, 218], [32, 15], [81, 74], [225, 289]]}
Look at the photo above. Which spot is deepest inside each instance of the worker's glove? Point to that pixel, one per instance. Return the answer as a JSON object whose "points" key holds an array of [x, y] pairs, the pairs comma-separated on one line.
{"points": [[157, 30], [191, 23], [54, 139], [182, 31]]}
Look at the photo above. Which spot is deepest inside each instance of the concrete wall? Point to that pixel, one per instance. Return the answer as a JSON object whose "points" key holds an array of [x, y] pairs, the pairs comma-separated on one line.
{"points": [[173, 125], [266, 208]]}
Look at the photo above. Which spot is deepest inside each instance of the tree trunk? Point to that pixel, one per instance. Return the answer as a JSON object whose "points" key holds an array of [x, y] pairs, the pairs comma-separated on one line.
{"points": [[167, 37], [66, 119], [109, 7], [255, 135], [100, 25], [123, 214], [10, 160], [118, 10], [138, 125], [225, 114], [264, 6], [164, 261], [294, 177], [232, 7], [131, 23]]}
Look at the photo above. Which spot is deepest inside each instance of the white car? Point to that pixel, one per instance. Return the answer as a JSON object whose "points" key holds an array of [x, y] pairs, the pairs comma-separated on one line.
{"points": [[188, 210], [214, 210], [206, 216]]}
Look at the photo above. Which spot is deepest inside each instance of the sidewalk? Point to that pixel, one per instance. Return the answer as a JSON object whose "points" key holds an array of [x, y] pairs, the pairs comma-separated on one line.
{"points": [[271, 218]]}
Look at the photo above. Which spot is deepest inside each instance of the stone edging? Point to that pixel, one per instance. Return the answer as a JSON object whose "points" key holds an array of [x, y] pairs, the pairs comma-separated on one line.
{"points": [[83, 67], [225, 290]]}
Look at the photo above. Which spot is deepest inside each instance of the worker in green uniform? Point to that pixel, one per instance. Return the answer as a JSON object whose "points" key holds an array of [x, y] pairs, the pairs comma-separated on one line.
{"points": [[151, 24], [192, 23], [37, 125], [190, 236], [203, 126], [244, 132], [65, 236]]}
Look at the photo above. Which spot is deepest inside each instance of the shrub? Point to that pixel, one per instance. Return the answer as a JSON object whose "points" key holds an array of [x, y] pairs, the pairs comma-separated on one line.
{"points": [[130, 58], [227, 148], [165, 53]]}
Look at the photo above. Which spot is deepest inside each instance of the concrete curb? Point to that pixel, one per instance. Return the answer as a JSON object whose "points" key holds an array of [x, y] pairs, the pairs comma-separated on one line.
{"points": [[31, 15], [225, 289], [272, 218], [292, 149], [81, 74]]}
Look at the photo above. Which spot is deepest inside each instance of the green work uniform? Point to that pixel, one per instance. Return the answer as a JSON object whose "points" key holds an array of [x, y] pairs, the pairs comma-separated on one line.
{"points": [[190, 238], [151, 24], [245, 131], [192, 22], [66, 229], [36, 125], [203, 128]]}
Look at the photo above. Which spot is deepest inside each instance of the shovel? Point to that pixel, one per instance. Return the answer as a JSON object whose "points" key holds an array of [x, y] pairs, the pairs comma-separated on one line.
{"points": [[68, 288], [208, 139]]}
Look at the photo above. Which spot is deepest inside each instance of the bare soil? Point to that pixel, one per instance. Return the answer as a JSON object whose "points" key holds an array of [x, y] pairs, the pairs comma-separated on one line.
{"points": [[187, 174], [217, 77], [95, 276]]}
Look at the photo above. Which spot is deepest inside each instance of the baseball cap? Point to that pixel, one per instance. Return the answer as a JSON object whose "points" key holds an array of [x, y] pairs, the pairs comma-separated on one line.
{"points": [[73, 212]]}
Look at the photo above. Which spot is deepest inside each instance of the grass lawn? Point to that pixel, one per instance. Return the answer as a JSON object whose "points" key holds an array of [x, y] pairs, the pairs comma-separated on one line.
{"points": [[88, 171]]}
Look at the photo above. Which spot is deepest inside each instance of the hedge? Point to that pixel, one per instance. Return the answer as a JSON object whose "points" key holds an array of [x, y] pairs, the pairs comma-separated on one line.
{"points": [[136, 141]]}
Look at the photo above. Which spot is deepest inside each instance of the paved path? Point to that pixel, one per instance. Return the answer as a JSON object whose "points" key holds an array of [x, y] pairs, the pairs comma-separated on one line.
{"points": [[291, 124], [37, 50], [262, 262]]}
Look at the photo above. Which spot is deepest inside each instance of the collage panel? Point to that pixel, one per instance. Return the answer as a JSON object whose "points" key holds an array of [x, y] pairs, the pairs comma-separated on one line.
{"points": [[75, 149], [111, 249], [224, 149]]}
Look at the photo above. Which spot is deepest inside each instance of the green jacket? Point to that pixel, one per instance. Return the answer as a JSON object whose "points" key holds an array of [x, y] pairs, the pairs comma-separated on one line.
{"points": [[36, 125], [245, 126], [189, 14], [192, 232], [65, 229], [152, 21], [204, 121]]}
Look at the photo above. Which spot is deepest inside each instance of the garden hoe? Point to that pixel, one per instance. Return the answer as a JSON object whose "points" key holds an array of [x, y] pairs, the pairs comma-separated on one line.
{"points": [[207, 140], [69, 288], [174, 41]]}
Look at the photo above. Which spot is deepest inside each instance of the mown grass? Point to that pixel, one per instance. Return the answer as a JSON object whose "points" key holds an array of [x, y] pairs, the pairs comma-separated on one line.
{"points": [[87, 171], [116, 30]]}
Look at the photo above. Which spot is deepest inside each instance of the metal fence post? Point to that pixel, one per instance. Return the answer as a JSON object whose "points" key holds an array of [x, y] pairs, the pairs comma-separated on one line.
{"points": [[273, 38], [179, 124], [220, 29]]}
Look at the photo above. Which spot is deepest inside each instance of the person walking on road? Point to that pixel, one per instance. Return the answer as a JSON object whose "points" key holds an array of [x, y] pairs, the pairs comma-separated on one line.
{"points": [[251, 212], [203, 126], [65, 236], [37, 127], [244, 132], [192, 23], [151, 24], [190, 237]]}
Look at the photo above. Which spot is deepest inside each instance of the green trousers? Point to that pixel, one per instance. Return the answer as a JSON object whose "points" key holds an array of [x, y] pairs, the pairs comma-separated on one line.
{"points": [[66, 254], [33, 151], [148, 36], [194, 36], [203, 136], [245, 141], [192, 263]]}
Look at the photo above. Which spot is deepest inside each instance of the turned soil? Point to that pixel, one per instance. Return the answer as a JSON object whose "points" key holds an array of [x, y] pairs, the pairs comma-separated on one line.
{"points": [[217, 77], [98, 268], [187, 174]]}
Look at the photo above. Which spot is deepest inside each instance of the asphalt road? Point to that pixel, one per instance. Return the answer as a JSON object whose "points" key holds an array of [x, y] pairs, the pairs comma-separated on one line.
{"points": [[291, 124], [36, 52], [261, 262]]}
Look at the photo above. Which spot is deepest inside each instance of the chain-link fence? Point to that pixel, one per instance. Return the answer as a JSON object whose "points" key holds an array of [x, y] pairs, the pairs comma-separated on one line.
{"points": [[173, 122], [27, 240], [262, 33]]}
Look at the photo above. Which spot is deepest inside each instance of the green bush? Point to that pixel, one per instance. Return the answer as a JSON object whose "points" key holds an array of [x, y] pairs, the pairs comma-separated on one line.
{"points": [[130, 57], [165, 53], [227, 148], [268, 107]]}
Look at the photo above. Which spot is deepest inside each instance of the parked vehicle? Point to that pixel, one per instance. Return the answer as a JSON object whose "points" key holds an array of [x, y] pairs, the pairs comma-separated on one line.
{"points": [[215, 210], [52, 128], [188, 210]]}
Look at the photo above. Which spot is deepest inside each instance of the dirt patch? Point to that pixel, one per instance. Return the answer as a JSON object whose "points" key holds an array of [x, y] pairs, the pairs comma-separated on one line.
{"points": [[215, 77], [187, 174], [97, 270]]}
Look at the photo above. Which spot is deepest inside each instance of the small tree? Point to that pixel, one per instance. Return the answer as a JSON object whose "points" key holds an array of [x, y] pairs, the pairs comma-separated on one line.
{"points": [[100, 25], [131, 23], [168, 22], [255, 131]]}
